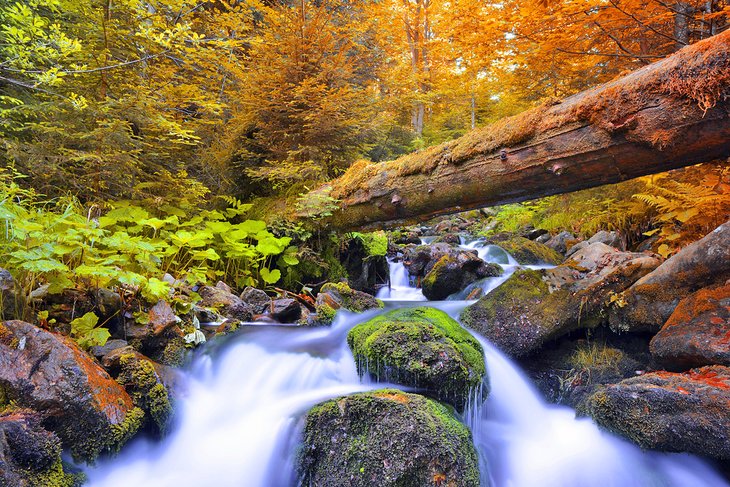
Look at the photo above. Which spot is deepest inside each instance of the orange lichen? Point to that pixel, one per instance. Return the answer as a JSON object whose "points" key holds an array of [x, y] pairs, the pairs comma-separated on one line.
{"points": [[708, 376], [703, 301], [110, 397], [393, 396]]}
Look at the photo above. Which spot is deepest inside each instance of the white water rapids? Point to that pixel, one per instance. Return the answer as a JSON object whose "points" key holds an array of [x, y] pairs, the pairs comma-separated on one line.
{"points": [[240, 420]]}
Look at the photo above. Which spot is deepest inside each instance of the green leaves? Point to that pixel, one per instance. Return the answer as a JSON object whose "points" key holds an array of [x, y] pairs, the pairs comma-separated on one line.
{"points": [[86, 333], [270, 277]]}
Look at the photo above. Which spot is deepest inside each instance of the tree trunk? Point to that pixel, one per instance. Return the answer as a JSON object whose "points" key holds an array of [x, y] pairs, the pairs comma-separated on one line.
{"points": [[683, 12], [673, 113]]}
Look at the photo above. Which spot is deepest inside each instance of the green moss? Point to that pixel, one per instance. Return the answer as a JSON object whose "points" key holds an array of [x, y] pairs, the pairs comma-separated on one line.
{"points": [[55, 477], [351, 299], [147, 391], [422, 347], [124, 431], [528, 252], [387, 438], [325, 314]]}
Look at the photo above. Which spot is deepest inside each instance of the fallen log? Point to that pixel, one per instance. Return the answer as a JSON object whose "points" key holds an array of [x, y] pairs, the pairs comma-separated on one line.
{"points": [[673, 113]]}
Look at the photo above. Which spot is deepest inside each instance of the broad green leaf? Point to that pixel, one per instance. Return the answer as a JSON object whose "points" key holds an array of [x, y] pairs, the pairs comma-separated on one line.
{"points": [[270, 277], [83, 325]]}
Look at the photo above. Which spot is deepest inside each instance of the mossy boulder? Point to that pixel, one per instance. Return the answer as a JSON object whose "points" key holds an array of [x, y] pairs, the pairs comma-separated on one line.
{"points": [[147, 384], [526, 251], [338, 295], [30, 456], [453, 273], [676, 412], [698, 331], [77, 399], [536, 306], [386, 438], [424, 348], [648, 304]]}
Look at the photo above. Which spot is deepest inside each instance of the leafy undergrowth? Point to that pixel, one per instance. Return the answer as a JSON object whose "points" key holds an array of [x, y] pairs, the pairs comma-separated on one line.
{"points": [[58, 244]]}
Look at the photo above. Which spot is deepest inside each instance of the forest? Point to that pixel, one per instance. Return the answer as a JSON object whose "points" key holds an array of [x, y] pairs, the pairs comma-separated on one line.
{"points": [[335, 242]]}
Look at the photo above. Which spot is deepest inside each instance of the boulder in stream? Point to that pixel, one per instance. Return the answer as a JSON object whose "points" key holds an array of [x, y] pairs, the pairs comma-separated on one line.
{"points": [[30, 456], [77, 399], [677, 412], [453, 273], [424, 348], [533, 307], [698, 331], [386, 438], [338, 295], [526, 251]]}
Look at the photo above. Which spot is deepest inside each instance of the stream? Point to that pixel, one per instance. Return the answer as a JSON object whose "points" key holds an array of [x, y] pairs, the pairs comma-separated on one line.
{"points": [[240, 420]]}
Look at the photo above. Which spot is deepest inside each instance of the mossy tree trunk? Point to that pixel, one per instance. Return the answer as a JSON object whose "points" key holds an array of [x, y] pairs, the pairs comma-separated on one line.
{"points": [[673, 113]]}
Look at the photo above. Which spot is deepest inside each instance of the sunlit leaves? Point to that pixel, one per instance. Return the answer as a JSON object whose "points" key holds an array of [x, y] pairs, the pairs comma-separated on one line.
{"points": [[86, 333]]}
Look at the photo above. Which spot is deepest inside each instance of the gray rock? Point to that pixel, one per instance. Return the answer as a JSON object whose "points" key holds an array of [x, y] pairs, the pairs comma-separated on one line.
{"points": [[612, 239], [225, 303], [649, 302], [561, 242], [256, 299]]}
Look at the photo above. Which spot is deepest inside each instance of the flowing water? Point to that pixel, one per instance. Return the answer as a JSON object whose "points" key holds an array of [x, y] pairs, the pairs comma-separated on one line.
{"points": [[240, 419]]}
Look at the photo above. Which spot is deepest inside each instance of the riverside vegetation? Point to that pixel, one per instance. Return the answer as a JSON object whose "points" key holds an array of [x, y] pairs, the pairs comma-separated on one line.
{"points": [[158, 172]]}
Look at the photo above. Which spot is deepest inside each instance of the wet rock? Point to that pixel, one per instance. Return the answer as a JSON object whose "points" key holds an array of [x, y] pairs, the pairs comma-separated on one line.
{"points": [[543, 238], [647, 304], [677, 412], [561, 242], [366, 272], [525, 251], [30, 456], [534, 307], [225, 303], [8, 309], [147, 384], [449, 238], [534, 233], [452, 273], [421, 259], [340, 295], [100, 351], [89, 411], [408, 238], [256, 299], [697, 333], [421, 347], [285, 310], [162, 317], [386, 438]]}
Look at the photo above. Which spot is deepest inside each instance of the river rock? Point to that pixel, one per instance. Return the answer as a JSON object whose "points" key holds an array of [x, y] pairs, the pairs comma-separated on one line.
{"points": [[423, 348], [526, 251], [677, 412], [256, 299], [86, 408], [338, 295], [452, 273], [146, 382], [386, 438], [419, 260], [535, 306], [561, 242], [30, 456], [698, 331], [649, 302], [610, 238], [225, 303]]}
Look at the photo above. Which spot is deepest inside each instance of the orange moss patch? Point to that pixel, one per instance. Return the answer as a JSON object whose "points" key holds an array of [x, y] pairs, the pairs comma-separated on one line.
{"points": [[110, 397], [708, 376], [703, 301], [393, 396]]}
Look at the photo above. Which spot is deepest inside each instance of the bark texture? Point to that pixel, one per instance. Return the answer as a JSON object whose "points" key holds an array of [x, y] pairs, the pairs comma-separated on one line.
{"points": [[673, 113]]}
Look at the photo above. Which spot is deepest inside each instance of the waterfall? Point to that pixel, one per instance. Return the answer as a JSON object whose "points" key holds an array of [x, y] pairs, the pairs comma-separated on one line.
{"points": [[240, 420]]}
